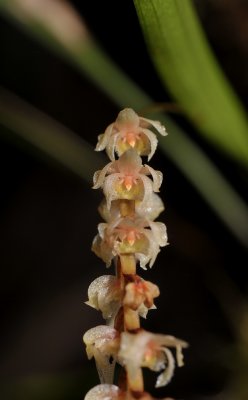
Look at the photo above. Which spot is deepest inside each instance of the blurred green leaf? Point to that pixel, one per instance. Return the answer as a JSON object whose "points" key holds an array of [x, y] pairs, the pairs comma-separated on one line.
{"points": [[189, 70], [47, 136]]}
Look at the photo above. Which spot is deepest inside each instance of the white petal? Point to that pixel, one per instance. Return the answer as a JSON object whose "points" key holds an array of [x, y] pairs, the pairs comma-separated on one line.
{"points": [[150, 209], [157, 177], [101, 229], [156, 124], [103, 139], [104, 295], [153, 248], [99, 334], [109, 214], [171, 341], [160, 233], [96, 245], [153, 141], [143, 311], [167, 374], [108, 188], [143, 260], [99, 176], [96, 287], [132, 348], [180, 361], [110, 149], [148, 188], [107, 255], [154, 253], [102, 250]]}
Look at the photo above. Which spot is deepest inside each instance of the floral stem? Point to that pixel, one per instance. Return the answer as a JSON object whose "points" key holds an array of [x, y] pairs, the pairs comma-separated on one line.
{"points": [[135, 383], [127, 208], [128, 264]]}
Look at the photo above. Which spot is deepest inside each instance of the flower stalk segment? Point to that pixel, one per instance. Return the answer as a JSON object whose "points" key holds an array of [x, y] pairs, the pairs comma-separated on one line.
{"points": [[129, 238]]}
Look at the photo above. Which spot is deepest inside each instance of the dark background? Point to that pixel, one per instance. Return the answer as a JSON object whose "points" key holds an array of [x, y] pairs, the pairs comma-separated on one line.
{"points": [[49, 219]]}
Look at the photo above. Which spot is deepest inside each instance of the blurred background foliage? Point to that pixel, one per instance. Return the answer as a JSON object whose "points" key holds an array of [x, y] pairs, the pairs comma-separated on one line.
{"points": [[66, 70]]}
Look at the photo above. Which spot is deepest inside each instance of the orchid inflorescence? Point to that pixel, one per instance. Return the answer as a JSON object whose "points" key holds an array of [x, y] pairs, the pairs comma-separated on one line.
{"points": [[128, 237]]}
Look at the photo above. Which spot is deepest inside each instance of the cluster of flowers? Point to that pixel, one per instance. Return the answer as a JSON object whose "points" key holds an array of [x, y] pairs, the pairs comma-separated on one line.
{"points": [[129, 236]]}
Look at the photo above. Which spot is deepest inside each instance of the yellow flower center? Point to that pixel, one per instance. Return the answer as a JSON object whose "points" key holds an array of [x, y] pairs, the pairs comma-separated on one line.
{"points": [[129, 187]]}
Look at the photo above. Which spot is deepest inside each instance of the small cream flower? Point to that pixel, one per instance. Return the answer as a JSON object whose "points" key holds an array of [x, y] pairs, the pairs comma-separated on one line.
{"points": [[105, 295], [130, 131], [145, 349], [139, 295], [128, 235], [126, 179], [102, 343]]}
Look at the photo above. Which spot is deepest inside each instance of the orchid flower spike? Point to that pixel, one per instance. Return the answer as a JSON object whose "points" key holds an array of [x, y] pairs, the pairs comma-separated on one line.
{"points": [[126, 179], [129, 236], [130, 131]]}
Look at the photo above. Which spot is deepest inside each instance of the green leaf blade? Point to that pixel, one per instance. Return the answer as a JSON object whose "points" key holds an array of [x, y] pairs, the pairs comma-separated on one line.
{"points": [[189, 70]]}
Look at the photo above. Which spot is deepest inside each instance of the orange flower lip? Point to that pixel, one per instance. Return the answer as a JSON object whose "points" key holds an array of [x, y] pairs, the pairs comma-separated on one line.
{"points": [[131, 237], [128, 182], [131, 139]]}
